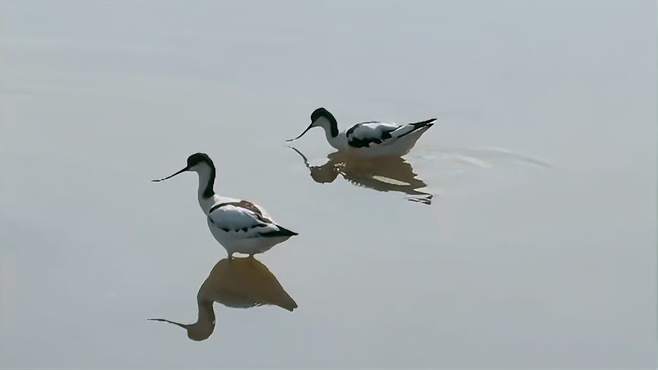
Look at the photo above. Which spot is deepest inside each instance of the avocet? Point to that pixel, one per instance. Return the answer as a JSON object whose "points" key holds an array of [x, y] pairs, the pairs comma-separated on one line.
{"points": [[369, 139], [239, 225]]}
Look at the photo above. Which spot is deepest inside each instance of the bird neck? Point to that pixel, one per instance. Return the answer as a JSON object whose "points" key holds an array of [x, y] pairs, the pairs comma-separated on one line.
{"points": [[206, 174], [330, 127]]}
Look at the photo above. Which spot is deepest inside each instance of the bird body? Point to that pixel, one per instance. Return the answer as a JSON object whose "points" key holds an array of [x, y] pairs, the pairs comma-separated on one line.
{"points": [[244, 227], [369, 139], [239, 225]]}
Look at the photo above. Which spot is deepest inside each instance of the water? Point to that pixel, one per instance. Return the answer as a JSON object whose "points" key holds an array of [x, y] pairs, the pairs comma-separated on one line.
{"points": [[520, 232]]}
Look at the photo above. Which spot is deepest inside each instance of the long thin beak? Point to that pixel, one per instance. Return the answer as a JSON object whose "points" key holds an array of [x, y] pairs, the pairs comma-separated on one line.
{"points": [[171, 322], [302, 134], [170, 176]]}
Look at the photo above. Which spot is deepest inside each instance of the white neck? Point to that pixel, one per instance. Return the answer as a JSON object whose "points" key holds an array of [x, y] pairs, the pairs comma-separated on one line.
{"points": [[207, 203], [334, 141], [206, 182]]}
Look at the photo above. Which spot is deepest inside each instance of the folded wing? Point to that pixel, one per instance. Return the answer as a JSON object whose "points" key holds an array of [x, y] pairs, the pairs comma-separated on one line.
{"points": [[366, 134], [241, 219]]}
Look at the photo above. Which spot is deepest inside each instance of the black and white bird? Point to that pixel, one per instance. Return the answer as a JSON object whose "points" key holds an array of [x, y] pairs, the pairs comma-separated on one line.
{"points": [[238, 225], [369, 139]]}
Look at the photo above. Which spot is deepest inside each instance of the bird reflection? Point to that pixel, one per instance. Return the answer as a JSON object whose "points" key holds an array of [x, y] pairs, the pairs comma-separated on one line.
{"points": [[239, 283], [381, 174]]}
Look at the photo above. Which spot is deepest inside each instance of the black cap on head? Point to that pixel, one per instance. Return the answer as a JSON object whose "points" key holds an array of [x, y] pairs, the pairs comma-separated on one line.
{"points": [[197, 158], [320, 112]]}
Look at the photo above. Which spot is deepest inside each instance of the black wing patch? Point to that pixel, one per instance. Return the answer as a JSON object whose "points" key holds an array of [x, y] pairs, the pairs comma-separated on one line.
{"points": [[366, 141], [281, 232]]}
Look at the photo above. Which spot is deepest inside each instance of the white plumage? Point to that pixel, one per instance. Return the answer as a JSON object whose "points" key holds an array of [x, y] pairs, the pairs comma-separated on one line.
{"points": [[231, 217], [369, 139], [239, 225]]}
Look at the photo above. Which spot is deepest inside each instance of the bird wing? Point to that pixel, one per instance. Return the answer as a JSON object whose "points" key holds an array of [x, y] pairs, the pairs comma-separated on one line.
{"points": [[366, 133], [241, 217]]}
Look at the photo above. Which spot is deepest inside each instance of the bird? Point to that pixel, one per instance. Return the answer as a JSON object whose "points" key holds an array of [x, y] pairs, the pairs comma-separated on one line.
{"points": [[238, 225], [240, 283], [381, 174], [369, 139]]}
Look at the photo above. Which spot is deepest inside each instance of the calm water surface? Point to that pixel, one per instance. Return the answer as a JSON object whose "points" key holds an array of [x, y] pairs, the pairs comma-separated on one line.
{"points": [[520, 231]]}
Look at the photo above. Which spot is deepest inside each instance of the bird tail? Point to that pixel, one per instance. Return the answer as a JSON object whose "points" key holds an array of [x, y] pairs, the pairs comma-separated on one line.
{"points": [[281, 232], [413, 127], [426, 123]]}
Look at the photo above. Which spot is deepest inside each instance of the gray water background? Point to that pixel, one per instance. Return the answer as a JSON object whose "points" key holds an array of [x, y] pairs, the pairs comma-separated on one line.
{"points": [[538, 250]]}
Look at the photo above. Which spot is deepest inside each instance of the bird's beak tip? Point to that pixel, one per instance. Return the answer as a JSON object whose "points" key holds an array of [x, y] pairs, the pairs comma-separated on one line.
{"points": [[172, 175]]}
